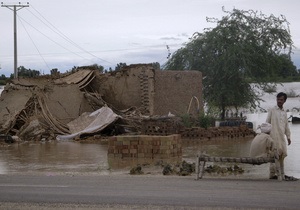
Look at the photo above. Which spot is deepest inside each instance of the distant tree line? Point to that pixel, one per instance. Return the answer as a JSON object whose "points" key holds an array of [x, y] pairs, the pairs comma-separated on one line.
{"points": [[29, 73]]}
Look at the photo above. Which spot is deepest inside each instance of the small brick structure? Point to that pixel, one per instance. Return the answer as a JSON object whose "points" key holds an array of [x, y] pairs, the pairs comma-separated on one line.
{"points": [[161, 127], [144, 146], [168, 126]]}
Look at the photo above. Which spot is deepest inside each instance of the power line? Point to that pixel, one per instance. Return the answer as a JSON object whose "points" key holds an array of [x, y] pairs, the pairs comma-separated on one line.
{"points": [[161, 46], [57, 31], [52, 39], [34, 44]]}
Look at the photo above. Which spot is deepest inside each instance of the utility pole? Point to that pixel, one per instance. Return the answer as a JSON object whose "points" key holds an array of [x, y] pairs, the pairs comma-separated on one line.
{"points": [[15, 8]]}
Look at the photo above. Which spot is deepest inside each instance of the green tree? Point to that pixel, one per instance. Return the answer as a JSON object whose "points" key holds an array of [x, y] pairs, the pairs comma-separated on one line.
{"points": [[120, 66], [244, 45], [23, 72], [54, 72], [156, 65], [89, 67], [95, 67], [3, 77], [286, 67]]}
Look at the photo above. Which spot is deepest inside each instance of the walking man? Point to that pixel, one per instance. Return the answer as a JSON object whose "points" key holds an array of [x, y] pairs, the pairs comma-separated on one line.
{"points": [[280, 133]]}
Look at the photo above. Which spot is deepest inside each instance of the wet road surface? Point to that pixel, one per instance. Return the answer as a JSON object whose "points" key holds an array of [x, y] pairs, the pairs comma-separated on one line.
{"points": [[145, 192]]}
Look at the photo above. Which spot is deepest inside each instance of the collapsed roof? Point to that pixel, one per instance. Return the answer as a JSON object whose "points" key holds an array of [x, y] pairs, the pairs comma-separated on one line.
{"points": [[35, 108]]}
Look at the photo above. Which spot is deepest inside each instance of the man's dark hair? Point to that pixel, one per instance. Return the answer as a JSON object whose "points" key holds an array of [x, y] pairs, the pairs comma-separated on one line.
{"points": [[282, 94]]}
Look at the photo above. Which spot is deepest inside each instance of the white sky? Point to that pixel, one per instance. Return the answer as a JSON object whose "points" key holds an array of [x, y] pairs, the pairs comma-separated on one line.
{"points": [[66, 33]]}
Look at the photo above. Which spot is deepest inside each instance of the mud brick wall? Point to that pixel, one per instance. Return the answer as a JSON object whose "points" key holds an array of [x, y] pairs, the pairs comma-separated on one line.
{"points": [[154, 92], [143, 146], [130, 87], [174, 91]]}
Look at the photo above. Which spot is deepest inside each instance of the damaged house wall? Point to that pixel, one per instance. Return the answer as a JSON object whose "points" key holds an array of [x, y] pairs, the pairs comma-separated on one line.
{"points": [[43, 107], [154, 92], [174, 92], [124, 89]]}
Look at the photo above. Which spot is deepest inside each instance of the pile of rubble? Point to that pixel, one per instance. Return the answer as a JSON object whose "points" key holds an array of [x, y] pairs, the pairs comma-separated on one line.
{"points": [[43, 108]]}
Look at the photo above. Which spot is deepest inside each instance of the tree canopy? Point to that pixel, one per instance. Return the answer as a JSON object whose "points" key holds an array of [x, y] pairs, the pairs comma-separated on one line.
{"points": [[244, 46], [24, 72]]}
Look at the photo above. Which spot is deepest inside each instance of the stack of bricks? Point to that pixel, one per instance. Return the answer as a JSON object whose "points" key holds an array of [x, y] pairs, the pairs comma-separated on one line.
{"points": [[194, 133], [160, 127], [246, 131], [198, 133], [143, 146]]}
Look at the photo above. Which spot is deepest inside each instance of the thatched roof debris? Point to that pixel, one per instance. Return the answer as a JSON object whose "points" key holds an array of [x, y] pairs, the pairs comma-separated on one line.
{"points": [[41, 108]]}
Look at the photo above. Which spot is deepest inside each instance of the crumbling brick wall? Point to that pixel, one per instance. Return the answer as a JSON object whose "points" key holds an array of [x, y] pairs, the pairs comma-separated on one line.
{"points": [[174, 91], [154, 92], [128, 87]]}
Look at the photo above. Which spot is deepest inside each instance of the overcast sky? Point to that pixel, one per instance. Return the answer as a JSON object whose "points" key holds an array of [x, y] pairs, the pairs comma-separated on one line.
{"points": [[66, 33]]}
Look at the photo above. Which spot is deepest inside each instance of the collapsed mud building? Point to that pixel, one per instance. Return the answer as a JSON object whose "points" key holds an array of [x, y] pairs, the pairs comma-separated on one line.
{"points": [[89, 102]]}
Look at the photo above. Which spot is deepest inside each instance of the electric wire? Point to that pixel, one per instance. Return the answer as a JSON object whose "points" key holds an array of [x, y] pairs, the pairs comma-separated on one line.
{"points": [[52, 39], [57, 31], [34, 44], [115, 50]]}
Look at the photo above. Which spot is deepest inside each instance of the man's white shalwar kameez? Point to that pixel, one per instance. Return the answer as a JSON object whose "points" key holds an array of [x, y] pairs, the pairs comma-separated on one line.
{"points": [[280, 131]]}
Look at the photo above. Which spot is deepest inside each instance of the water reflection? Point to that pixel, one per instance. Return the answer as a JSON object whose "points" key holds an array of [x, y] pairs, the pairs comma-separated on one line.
{"points": [[73, 157]]}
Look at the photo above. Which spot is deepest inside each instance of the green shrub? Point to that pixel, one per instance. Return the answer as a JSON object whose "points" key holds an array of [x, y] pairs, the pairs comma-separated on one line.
{"points": [[206, 121], [202, 120], [187, 120]]}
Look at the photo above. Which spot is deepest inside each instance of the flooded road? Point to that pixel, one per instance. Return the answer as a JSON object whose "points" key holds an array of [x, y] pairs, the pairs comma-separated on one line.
{"points": [[60, 157]]}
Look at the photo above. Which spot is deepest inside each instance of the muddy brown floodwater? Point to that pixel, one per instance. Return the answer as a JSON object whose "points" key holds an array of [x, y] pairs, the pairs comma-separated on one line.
{"points": [[68, 157], [53, 157]]}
